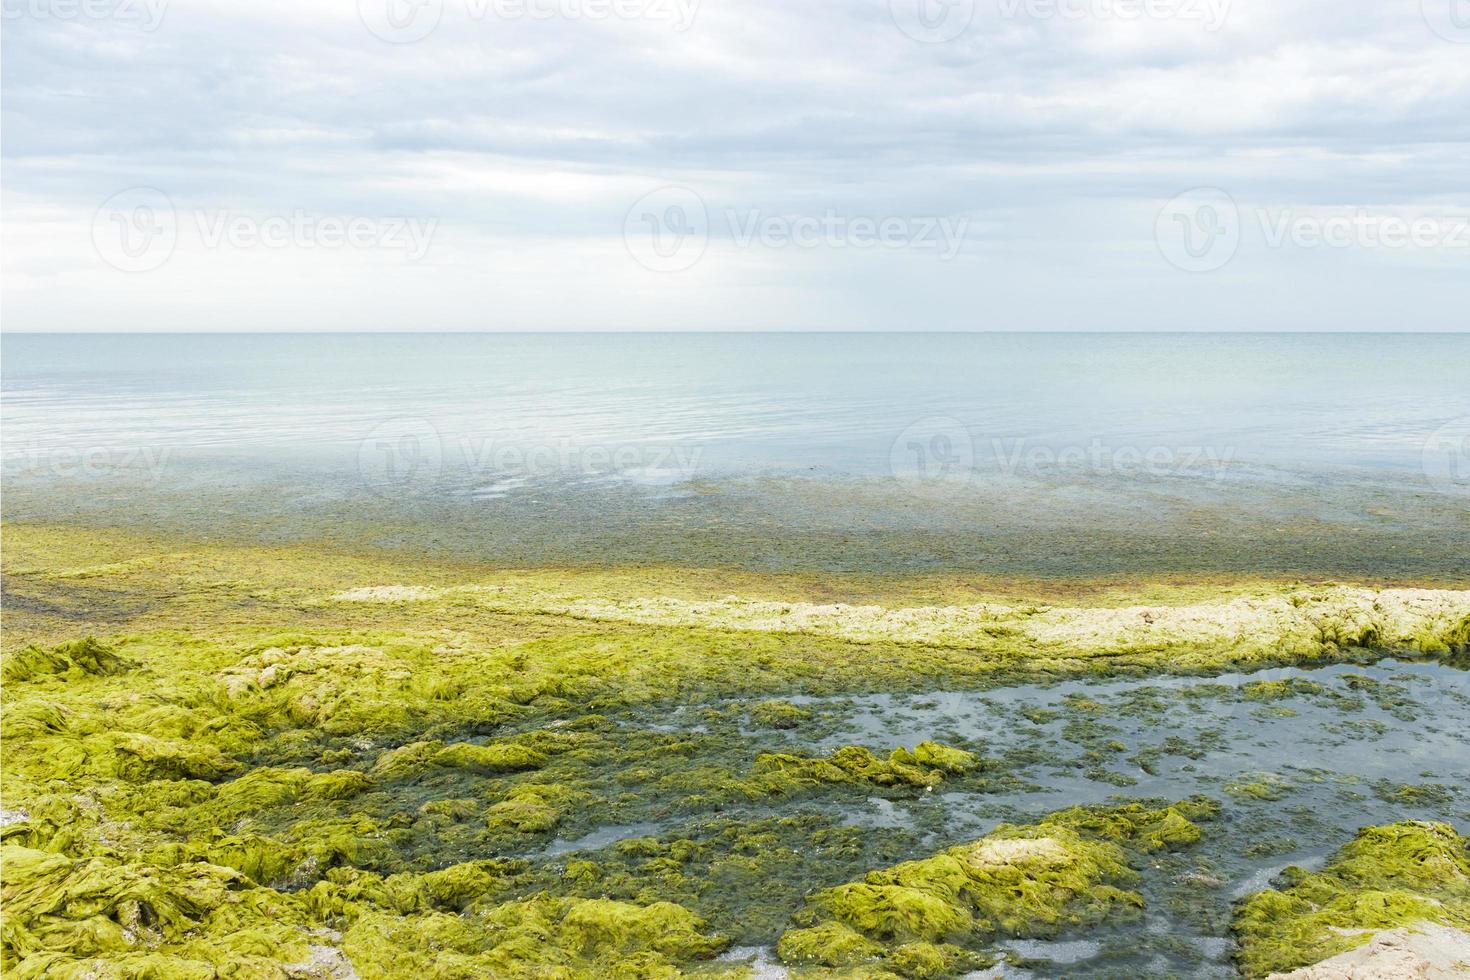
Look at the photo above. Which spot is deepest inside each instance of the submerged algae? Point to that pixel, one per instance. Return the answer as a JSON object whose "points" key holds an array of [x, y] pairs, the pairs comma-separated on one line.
{"points": [[1390, 876]]}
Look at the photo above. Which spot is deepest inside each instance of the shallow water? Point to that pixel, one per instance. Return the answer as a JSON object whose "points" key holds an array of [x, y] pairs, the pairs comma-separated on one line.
{"points": [[1299, 769], [1093, 454]]}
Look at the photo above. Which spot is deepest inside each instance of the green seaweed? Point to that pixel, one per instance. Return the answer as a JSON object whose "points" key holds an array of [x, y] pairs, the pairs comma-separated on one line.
{"points": [[247, 771], [1388, 877], [84, 656], [1070, 869], [778, 714]]}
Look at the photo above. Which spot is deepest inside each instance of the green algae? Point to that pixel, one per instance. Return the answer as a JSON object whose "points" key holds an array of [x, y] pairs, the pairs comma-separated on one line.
{"points": [[1388, 877], [487, 759], [69, 916], [1068, 870], [191, 919], [540, 936], [778, 714], [933, 755], [827, 944], [532, 808], [744, 876], [662, 631], [1264, 786], [387, 777], [924, 767], [85, 656]]}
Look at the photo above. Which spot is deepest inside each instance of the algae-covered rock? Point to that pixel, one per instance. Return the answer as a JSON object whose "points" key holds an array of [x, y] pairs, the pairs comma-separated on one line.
{"points": [[778, 714], [827, 944], [1139, 826], [1421, 952], [925, 918], [149, 757], [1388, 877], [532, 808], [928, 961]]}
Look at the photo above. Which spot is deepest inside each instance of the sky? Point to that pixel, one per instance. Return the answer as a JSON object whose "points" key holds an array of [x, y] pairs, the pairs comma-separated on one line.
{"points": [[735, 165]]}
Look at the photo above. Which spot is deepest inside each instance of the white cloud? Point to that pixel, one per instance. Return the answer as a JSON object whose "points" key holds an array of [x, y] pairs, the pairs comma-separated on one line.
{"points": [[528, 140]]}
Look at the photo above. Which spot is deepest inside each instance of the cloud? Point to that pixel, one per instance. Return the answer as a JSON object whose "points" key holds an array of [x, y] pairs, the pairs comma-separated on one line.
{"points": [[1056, 128]]}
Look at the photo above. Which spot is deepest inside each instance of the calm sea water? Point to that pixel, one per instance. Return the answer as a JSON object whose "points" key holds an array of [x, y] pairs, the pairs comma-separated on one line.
{"points": [[1333, 456], [859, 404]]}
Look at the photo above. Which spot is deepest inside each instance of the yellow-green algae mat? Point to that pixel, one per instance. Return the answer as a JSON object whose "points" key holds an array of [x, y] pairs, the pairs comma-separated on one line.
{"points": [[1401, 875], [275, 762], [929, 918]]}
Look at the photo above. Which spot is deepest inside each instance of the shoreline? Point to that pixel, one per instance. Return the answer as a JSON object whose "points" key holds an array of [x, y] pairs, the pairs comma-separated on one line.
{"points": [[405, 761], [1014, 533]]}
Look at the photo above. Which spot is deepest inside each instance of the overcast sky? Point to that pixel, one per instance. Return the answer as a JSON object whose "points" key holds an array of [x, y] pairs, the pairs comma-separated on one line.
{"points": [[736, 164]]}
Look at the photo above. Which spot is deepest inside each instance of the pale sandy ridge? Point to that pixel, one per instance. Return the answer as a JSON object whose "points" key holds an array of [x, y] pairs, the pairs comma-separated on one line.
{"points": [[1300, 621], [1424, 952]]}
